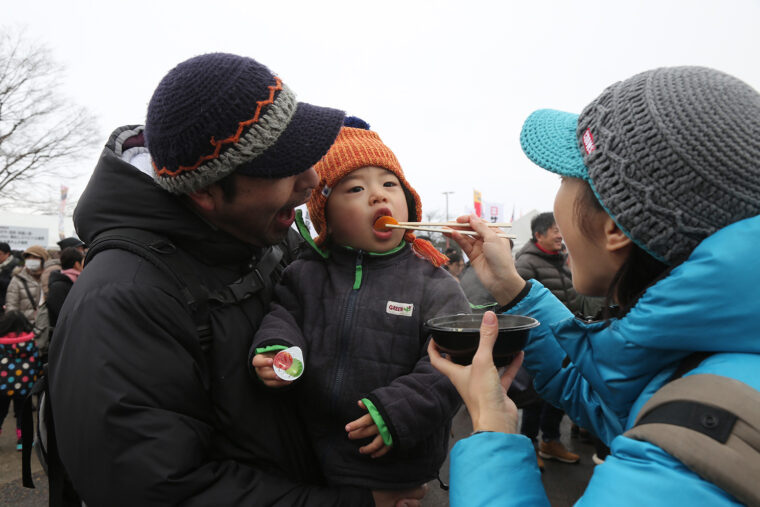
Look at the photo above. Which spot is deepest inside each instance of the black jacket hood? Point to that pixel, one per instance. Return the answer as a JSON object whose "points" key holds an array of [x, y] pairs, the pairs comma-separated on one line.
{"points": [[120, 195]]}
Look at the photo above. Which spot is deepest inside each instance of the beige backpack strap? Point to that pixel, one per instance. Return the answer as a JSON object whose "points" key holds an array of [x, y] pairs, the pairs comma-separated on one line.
{"points": [[712, 425]]}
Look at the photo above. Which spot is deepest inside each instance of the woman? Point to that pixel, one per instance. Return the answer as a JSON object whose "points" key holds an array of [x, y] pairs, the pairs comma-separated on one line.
{"points": [[658, 207], [25, 289]]}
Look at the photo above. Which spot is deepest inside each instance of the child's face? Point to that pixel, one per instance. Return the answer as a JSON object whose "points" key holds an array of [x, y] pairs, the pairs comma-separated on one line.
{"points": [[357, 201]]}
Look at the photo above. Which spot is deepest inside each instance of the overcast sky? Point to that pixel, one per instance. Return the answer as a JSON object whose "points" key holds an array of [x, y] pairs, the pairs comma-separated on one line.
{"points": [[446, 84]]}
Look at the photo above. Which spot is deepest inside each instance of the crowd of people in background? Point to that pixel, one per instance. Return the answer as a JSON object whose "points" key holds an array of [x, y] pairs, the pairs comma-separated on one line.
{"points": [[31, 279]]}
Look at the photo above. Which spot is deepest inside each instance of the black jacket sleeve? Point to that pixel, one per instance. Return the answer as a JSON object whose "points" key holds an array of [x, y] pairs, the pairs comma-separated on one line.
{"points": [[134, 421], [283, 324]]}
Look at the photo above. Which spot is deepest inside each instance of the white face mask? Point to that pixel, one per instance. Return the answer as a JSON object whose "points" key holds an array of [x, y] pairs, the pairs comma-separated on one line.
{"points": [[33, 264]]}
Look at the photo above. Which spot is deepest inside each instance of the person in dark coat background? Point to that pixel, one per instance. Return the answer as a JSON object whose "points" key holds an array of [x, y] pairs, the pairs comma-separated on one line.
{"points": [[60, 283], [8, 263]]}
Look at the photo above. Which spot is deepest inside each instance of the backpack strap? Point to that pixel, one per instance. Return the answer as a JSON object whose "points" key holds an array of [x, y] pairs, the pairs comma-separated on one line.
{"points": [[260, 280], [161, 253], [711, 424], [28, 292]]}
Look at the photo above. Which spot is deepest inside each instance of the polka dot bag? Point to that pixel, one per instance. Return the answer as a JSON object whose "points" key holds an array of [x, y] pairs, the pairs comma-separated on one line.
{"points": [[19, 363]]}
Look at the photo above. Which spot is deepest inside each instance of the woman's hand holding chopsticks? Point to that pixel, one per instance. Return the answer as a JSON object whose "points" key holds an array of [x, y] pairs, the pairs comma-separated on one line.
{"points": [[491, 256]]}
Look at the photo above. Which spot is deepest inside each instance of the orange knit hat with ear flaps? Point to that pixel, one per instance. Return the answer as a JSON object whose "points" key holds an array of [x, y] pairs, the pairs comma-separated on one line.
{"points": [[353, 149]]}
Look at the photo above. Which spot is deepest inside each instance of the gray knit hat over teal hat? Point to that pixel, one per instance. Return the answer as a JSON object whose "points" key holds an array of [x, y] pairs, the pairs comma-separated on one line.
{"points": [[672, 154], [220, 113]]}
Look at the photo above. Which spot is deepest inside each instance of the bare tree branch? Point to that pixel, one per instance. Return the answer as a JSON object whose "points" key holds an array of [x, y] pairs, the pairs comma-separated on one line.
{"points": [[41, 134]]}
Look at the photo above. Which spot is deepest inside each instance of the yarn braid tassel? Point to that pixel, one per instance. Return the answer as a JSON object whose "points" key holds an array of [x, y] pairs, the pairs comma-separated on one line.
{"points": [[425, 249]]}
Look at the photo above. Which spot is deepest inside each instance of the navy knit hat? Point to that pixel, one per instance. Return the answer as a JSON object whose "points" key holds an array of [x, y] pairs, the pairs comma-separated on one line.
{"points": [[218, 113]]}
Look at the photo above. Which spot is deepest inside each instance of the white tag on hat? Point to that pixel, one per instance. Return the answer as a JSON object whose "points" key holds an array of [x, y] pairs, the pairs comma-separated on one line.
{"points": [[288, 364]]}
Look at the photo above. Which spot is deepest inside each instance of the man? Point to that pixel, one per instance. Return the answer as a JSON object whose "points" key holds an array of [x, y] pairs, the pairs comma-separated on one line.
{"points": [[54, 263], [544, 260], [144, 414], [71, 242], [7, 264], [455, 266]]}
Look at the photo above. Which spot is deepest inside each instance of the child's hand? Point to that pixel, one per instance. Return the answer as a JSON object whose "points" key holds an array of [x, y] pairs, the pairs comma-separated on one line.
{"points": [[365, 427], [262, 363]]}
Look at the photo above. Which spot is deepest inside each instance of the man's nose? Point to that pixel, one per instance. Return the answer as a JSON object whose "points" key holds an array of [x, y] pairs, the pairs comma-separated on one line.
{"points": [[308, 179]]}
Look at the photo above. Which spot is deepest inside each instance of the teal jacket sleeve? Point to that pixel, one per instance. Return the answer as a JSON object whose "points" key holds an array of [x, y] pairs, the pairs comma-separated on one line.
{"points": [[595, 372], [495, 469], [557, 378]]}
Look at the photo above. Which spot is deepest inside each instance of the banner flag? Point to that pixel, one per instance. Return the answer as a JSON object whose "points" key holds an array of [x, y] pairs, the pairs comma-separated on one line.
{"points": [[493, 211], [478, 203]]}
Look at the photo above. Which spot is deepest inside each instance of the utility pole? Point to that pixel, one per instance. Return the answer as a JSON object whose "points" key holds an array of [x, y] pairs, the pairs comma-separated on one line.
{"points": [[447, 214], [447, 203]]}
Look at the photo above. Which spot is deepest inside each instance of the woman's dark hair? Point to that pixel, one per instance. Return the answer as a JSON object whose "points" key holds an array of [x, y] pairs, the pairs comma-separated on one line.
{"points": [[411, 205], [14, 322], [639, 271]]}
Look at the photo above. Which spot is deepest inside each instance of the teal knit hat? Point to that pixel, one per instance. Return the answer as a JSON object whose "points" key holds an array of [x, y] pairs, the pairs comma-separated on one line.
{"points": [[672, 154]]}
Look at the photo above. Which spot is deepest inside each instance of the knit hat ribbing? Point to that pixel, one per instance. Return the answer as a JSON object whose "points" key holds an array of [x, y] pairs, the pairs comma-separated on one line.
{"points": [[353, 149], [672, 154], [219, 113]]}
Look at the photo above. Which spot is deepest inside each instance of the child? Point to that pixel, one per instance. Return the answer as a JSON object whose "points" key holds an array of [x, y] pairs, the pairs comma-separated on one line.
{"points": [[356, 307]]}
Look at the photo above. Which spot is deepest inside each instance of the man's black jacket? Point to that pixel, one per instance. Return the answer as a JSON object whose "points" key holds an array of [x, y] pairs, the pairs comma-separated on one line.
{"points": [[135, 423]]}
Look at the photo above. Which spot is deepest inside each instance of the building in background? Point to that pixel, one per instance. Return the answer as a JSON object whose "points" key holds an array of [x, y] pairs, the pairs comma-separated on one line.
{"points": [[21, 231]]}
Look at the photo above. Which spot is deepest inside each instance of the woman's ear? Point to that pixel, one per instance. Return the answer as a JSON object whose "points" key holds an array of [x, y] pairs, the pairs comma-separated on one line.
{"points": [[615, 239]]}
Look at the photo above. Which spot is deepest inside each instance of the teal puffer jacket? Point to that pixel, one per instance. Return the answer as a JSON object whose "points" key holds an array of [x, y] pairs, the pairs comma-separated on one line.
{"points": [[708, 303]]}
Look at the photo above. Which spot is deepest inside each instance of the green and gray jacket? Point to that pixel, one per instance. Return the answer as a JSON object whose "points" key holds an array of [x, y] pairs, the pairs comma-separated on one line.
{"points": [[358, 317]]}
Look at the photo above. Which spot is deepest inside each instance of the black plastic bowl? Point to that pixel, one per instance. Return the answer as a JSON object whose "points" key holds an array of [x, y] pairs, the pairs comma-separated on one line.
{"points": [[459, 335]]}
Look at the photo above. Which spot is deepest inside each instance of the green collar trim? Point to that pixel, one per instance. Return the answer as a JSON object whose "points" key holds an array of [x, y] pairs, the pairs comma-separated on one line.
{"points": [[303, 230], [379, 254], [389, 252]]}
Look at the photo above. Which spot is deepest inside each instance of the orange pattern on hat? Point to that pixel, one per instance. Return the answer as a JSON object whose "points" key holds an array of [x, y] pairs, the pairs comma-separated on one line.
{"points": [[260, 104], [353, 149]]}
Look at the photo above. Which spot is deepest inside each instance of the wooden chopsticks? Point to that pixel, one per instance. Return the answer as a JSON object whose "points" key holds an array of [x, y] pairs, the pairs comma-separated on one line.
{"points": [[447, 227], [452, 224]]}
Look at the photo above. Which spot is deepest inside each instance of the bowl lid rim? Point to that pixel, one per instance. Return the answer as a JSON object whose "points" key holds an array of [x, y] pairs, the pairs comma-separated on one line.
{"points": [[529, 324]]}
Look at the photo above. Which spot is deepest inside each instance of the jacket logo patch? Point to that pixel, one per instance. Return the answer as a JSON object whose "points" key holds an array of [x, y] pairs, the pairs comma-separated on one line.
{"points": [[394, 308]]}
